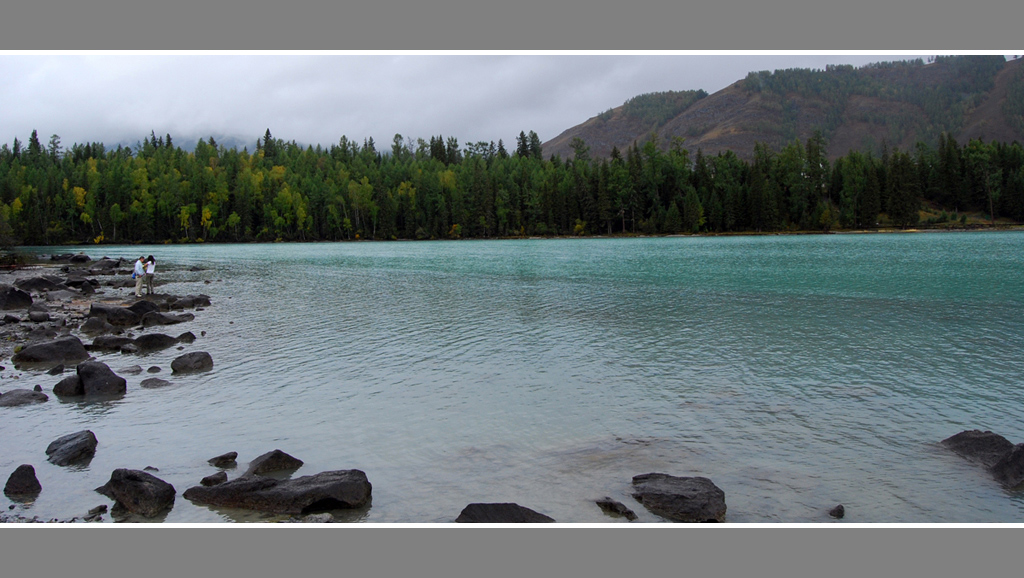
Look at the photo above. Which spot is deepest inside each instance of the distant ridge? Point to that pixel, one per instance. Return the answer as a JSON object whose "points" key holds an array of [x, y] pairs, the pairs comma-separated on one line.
{"points": [[898, 103]]}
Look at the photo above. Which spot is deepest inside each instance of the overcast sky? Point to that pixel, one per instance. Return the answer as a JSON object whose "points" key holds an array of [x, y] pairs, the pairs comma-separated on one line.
{"points": [[120, 98]]}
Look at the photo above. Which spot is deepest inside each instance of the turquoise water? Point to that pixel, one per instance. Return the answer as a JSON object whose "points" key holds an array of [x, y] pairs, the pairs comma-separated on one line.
{"points": [[797, 372]]}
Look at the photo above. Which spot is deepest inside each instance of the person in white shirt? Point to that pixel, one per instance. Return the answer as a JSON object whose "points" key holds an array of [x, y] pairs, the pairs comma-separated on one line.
{"points": [[150, 270], [140, 272]]}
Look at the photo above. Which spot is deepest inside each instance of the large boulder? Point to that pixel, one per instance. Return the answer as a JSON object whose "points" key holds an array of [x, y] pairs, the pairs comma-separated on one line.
{"points": [[114, 314], [21, 397], [138, 492], [70, 386], [320, 492], [272, 461], [154, 342], [144, 306], [42, 283], [66, 350], [23, 482], [983, 447], [14, 298], [683, 499], [72, 448], [108, 343], [97, 325], [500, 514], [106, 263], [192, 362], [98, 379]]}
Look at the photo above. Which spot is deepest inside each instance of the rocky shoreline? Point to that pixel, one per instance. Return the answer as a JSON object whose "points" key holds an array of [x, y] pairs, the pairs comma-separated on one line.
{"points": [[57, 314]]}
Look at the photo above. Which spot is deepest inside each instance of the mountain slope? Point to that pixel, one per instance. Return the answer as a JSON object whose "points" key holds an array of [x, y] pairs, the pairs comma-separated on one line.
{"points": [[856, 109]]}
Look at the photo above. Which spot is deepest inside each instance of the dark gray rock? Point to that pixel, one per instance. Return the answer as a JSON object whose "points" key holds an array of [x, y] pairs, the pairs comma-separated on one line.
{"points": [[37, 388], [1009, 470], [308, 494], [72, 448], [14, 298], [272, 461], [96, 326], [42, 283], [154, 342], [129, 348], [57, 370], [154, 382], [187, 337], [505, 513], [106, 263], [983, 447], [108, 343], [615, 508], [144, 306], [38, 316], [683, 499], [156, 318], [224, 460], [23, 482], [192, 362], [80, 258], [8, 318], [66, 350], [70, 386], [138, 492], [214, 479], [131, 370], [17, 397], [98, 379], [114, 315], [837, 512], [153, 369]]}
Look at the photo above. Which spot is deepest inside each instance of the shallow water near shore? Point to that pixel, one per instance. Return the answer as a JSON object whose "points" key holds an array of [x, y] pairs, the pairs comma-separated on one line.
{"points": [[797, 372]]}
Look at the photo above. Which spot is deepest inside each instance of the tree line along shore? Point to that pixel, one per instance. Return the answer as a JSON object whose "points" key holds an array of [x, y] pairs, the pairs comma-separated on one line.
{"points": [[157, 192]]}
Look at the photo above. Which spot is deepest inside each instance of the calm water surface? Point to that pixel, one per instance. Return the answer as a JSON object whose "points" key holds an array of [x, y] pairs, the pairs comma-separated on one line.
{"points": [[796, 372]]}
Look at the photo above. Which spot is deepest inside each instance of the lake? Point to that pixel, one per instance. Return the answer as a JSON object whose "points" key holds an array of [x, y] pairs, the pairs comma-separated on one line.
{"points": [[796, 372]]}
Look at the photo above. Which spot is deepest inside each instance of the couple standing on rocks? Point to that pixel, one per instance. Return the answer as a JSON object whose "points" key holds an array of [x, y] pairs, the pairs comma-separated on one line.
{"points": [[145, 267]]}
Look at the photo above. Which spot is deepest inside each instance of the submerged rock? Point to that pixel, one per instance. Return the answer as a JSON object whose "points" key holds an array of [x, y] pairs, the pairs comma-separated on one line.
{"points": [[308, 494], [224, 460], [1009, 470], [138, 492], [1003, 459], [837, 512], [616, 508], [683, 499], [72, 448], [17, 397], [983, 447], [153, 383], [504, 513]]}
